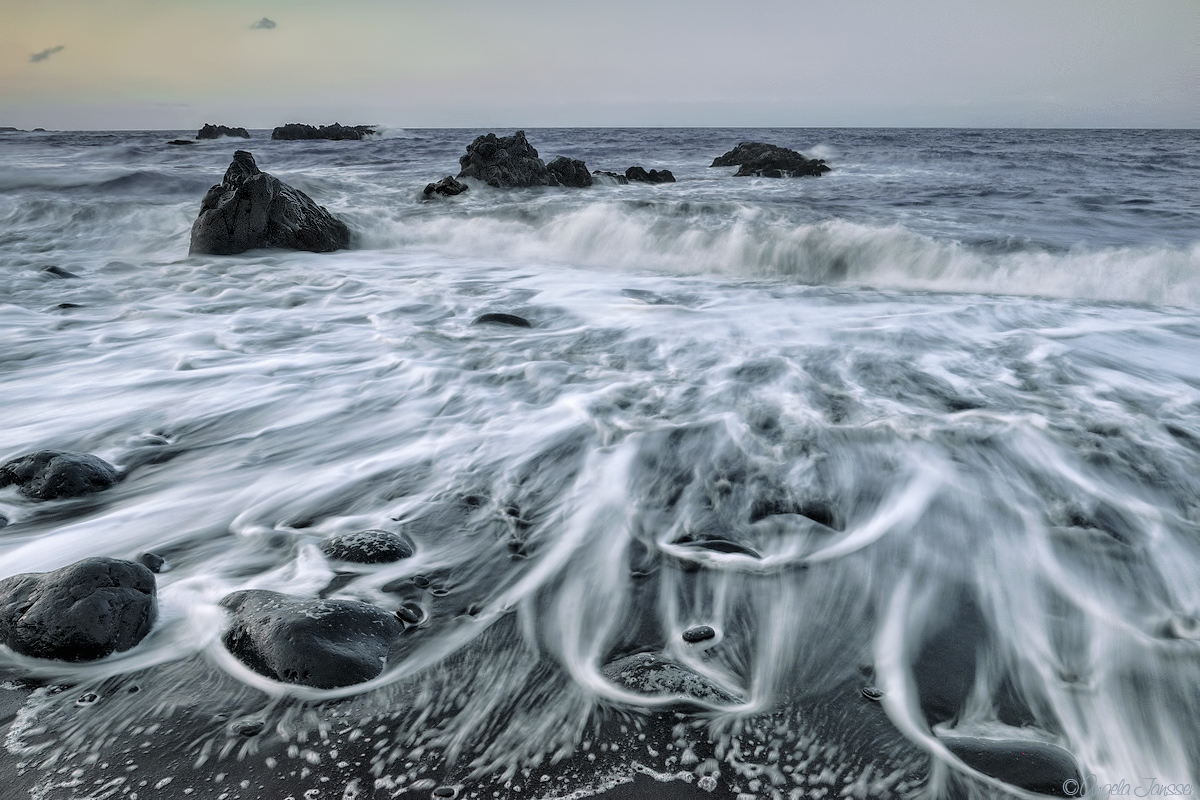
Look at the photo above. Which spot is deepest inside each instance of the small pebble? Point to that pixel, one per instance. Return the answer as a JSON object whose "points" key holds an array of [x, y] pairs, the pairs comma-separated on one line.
{"points": [[410, 614], [444, 791], [247, 727], [872, 693], [421, 581], [699, 633], [152, 561], [87, 699]]}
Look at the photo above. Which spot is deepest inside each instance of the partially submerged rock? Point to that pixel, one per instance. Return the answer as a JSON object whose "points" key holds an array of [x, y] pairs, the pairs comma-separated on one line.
{"points": [[56, 474], [181, 141], [84, 611], [368, 547], [321, 643], [210, 131], [498, 318], [653, 176], [337, 132], [447, 187], [570, 172], [505, 162], [655, 675], [1030, 765], [251, 209], [769, 161]]}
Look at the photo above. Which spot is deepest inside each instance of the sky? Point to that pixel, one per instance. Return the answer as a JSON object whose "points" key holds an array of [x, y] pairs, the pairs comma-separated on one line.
{"points": [[174, 65]]}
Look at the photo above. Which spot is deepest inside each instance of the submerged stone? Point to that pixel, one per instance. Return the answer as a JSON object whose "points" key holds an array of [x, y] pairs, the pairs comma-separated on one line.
{"points": [[496, 318], [368, 547], [447, 187], [654, 675], [81, 612], [640, 175], [321, 643], [1030, 765], [57, 474]]}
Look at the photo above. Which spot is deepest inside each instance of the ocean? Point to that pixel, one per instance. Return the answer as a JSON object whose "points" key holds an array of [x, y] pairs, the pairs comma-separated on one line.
{"points": [[919, 440]]}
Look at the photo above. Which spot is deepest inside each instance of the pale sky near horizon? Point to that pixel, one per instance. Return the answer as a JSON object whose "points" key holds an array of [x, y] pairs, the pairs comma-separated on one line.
{"points": [[168, 64]]}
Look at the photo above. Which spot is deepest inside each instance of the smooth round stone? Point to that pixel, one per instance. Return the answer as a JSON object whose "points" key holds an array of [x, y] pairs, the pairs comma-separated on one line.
{"points": [[700, 633], [872, 693], [247, 727], [368, 547], [57, 475], [410, 614], [495, 318]]}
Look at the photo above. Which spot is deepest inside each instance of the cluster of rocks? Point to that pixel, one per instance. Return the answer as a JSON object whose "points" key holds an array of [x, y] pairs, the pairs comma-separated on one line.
{"points": [[336, 132], [100, 606], [210, 131], [769, 161], [251, 209]]}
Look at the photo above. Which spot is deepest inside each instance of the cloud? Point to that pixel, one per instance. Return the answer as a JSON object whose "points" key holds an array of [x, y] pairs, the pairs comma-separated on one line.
{"points": [[49, 51], [263, 24]]}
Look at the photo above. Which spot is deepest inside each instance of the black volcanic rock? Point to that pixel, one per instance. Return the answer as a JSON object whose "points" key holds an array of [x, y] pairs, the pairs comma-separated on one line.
{"points": [[656, 675], [653, 176], [294, 131], [321, 643], [368, 547], [570, 172], [505, 162], [210, 131], [1028, 764], [769, 161], [55, 474], [181, 141], [88, 610], [500, 318], [447, 187], [251, 209]]}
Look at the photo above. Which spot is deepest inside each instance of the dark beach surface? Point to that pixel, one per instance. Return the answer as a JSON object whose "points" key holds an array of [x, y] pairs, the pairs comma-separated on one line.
{"points": [[876, 482]]}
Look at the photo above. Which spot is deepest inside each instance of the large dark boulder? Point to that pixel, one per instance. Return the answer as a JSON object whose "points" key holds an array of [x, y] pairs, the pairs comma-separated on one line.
{"points": [[769, 161], [1027, 764], [297, 131], [505, 162], [653, 176], [55, 474], [368, 547], [570, 172], [251, 209], [447, 187], [210, 131], [88, 610], [321, 643]]}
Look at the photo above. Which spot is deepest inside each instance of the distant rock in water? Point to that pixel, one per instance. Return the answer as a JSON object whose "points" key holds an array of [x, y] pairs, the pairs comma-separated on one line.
{"points": [[88, 610], [210, 131], [336, 132], [653, 176], [505, 162], [56, 475], [497, 318], [447, 186], [321, 643], [570, 172], [615, 176], [181, 141], [769, 161], [368, 547], [251, 209]]}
